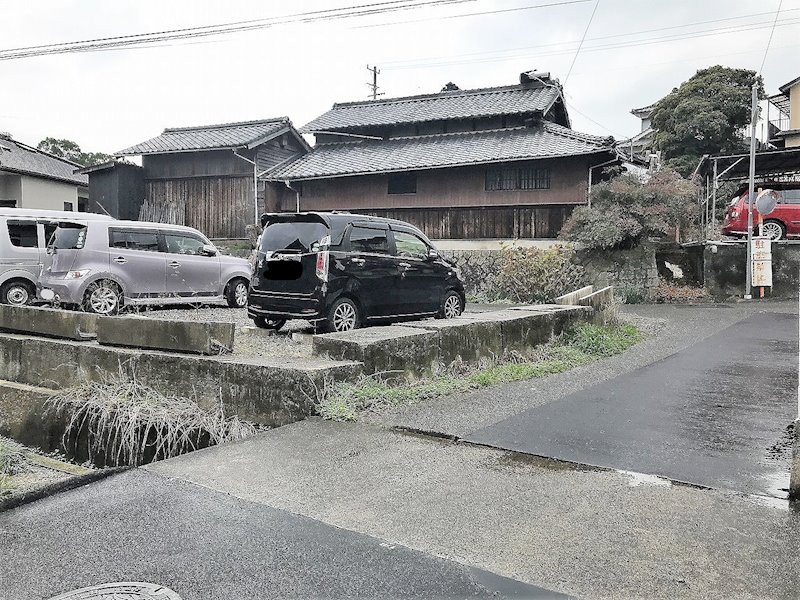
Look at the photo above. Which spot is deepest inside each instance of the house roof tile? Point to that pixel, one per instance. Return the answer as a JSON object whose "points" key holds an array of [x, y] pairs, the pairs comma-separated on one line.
{"points": [[208, 137], [459, 104], [443, 150], [19, 158]]}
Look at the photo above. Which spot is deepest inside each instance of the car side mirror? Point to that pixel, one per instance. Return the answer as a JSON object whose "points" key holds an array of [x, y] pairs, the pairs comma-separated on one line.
{"points": [[433, 254], [208, 250]]}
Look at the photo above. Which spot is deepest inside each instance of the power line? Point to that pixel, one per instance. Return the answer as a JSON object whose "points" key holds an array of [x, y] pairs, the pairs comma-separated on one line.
{"points": [[603, 47], [593, 39], [580, 45], [769, 41], [473, 14], [133, 40]]}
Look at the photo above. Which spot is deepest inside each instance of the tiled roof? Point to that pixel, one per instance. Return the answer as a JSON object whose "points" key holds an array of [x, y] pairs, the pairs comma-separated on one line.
{"points": [[459, 104], [443, 150], [20, 158], [643, 112], [208, 137]]}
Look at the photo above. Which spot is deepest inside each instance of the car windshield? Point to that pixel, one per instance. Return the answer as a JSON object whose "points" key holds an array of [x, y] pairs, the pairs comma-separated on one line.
{"points": [[298, 236], [69, 237]]}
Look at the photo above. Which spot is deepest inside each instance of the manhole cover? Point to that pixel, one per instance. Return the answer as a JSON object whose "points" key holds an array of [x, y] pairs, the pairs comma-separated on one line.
{"points": [[126, 590]]}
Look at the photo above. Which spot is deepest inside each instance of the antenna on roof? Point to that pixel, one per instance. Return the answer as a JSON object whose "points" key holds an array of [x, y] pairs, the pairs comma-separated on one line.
{"points": [[374, 85]]}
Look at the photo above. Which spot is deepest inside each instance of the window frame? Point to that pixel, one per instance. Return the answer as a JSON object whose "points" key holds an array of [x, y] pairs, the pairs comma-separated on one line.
{"points": [[385, 233], [24, 223], [395, 233], [160, 247], [399, 177], [188, 234], [502, 178]]}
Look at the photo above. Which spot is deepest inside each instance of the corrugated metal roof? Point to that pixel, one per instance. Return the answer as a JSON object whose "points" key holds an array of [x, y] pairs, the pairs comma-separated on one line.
{"points": [[460, 104], [20, 158], [443, 150], [208, 137]]}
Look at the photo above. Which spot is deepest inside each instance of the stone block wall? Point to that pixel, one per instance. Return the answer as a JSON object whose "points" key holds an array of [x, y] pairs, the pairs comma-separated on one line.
{"points": [[628, 271]]}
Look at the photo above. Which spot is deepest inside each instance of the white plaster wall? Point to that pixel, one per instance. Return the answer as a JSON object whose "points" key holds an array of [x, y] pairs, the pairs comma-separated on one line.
{"points": [[47, 194]]}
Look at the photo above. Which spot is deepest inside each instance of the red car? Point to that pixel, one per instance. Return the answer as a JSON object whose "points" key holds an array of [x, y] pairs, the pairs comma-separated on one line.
{"points": [[781, 223]]}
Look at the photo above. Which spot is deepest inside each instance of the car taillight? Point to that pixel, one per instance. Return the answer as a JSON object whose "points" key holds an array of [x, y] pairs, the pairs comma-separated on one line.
{"points": [[322, 265]]}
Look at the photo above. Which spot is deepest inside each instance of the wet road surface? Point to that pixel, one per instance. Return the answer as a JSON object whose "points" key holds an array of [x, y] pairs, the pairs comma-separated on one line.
{"points": [[714, 414], [207, 545]]}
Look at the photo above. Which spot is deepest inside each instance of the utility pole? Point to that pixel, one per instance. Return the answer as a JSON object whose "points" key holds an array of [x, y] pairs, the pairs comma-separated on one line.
{"points": [[374, 85], [748, 290]]}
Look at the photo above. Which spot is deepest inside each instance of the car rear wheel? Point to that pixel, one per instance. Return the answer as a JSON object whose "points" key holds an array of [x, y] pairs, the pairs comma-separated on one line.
{"points": [[18, 293], [451, 307], [343, 315], [774, 229], [264, 323], [236, 293], [103, 298]]}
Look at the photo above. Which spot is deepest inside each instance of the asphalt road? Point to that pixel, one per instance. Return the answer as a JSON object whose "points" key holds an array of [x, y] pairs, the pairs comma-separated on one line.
{"points": [[712, 414], [207, 545]]}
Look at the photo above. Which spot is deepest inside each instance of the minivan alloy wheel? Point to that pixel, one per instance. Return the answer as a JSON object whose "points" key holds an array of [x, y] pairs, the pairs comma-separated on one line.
{"points": [[344, 317], [240, 293], [452, 306], [103, 300]]}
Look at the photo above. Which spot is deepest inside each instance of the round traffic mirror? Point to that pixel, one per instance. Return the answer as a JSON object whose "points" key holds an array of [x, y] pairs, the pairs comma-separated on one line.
{"points": [[766, 200]]}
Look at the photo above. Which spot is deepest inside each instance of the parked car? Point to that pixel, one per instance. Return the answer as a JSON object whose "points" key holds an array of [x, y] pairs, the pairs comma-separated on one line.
{"points": [[781, 223], [341, 271], [23, 240], [104, 265]]}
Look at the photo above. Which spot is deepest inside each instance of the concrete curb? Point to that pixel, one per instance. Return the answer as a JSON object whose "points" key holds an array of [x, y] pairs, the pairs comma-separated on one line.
{"points": [[16, 501]]}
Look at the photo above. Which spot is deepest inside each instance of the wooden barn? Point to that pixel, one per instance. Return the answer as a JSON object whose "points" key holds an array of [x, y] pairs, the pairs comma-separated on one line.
{"points": [[493, 163], [212, 177]]}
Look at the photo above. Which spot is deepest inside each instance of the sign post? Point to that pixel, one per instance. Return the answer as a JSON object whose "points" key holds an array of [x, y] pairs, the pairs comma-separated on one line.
{"points": [[761, 253]]}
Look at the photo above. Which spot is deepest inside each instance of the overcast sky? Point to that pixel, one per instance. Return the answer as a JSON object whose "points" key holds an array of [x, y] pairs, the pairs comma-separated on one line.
{"points": [[112, 99]]}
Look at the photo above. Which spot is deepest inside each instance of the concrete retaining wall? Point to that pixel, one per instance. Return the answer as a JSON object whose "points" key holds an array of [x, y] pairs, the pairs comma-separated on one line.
{"points": [[412, 352], [477, 339], [725, 265], [269, 394]]}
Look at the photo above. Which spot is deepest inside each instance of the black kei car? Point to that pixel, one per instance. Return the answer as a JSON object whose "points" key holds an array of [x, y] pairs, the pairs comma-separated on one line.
{"points": [[342, 271]]}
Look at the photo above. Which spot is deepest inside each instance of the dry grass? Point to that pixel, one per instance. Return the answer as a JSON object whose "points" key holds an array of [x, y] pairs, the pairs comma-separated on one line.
{"points": [[128, 423]]}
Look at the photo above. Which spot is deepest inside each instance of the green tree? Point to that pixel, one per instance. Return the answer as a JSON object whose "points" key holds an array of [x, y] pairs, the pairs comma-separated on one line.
{"points": [[705, 115], [71, 151], [626, 211]]}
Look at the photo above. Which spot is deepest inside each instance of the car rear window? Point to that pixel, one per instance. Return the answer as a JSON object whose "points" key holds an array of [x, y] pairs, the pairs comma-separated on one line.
{"points": [[69, 237], [298, 236]]}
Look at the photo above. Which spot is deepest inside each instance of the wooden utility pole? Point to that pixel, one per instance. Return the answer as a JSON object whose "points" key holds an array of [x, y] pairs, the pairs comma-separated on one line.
{"points": [[374, 85]]}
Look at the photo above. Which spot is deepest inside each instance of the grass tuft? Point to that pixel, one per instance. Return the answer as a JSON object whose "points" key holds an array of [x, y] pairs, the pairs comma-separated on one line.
{"points": [[579, 345], [127, 423]]}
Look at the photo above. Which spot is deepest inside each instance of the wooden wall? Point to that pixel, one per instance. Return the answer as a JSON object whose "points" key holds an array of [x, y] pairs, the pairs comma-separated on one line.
{"points": [[220, 207], [491, 222], [440, 188]]}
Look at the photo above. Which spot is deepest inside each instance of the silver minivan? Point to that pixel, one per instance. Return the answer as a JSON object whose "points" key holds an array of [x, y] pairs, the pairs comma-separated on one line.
{"points": [[102, 266], [23, 238]]}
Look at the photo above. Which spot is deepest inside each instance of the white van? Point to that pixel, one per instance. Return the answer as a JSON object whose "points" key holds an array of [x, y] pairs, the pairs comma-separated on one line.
{"points": [[24, 233]]}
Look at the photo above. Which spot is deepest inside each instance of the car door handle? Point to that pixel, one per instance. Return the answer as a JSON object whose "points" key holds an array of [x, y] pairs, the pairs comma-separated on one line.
{"points": [[120, 260], [174, 264], [358, 261]]}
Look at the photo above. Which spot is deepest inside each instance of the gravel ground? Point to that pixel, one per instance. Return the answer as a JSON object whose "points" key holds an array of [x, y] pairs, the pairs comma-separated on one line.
{"points": [[260, 344]]}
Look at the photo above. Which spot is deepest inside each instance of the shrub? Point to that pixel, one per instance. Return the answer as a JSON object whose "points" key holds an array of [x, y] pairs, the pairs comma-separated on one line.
{"points": [[626, 211], [537, 275]]}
